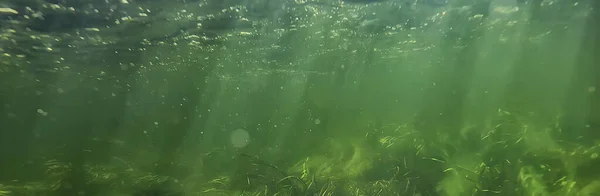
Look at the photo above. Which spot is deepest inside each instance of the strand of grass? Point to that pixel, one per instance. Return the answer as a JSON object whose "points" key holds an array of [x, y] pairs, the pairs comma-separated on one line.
{"points": [[264, 163], [310, 185], [286, 177], [124, 162], [294, 178]]}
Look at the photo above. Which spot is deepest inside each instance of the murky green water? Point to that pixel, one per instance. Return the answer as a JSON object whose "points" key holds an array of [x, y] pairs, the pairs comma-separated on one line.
{"points": [[299, 97]]}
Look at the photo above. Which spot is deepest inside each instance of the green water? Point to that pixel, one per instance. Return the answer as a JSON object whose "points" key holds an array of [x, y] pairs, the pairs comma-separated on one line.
{"points": [[299, 98]]}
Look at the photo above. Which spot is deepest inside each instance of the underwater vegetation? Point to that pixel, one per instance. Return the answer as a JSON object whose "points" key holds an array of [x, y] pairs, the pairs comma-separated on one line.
{"points": [[505, 157]]}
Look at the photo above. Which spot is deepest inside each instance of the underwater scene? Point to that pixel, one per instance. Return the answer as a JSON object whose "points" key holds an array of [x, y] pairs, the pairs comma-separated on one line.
{"points": [[299, 97]]}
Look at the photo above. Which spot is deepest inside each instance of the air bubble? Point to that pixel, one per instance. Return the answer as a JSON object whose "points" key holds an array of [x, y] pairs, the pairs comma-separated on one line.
{"points": [[42, 112]]}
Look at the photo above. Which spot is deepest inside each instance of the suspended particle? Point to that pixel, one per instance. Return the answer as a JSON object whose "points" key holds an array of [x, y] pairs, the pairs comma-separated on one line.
{"points": [[42, 112], [240, 138]]}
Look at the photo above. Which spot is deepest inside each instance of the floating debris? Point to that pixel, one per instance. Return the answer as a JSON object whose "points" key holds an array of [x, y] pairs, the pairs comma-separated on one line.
{"points": [[92, 29], [5, 10]]}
